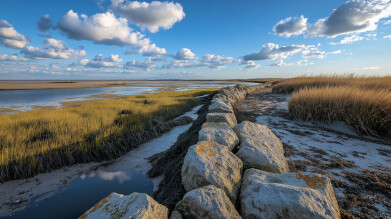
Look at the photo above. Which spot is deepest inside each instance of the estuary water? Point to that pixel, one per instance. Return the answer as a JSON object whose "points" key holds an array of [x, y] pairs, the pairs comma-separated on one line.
{"points": [[22, 100]]}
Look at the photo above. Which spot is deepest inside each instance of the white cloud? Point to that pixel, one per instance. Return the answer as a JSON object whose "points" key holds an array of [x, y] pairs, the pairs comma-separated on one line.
{"points": [[53, 49], [271, 51], [151, 16], [184, 54], [291, 26], [387, 22], [100, 62], [313, 52], [348, 40], [53, 43], [149, 50], [352, 17], [10, 37], [279, 63], [216, 61], [6, 57], [103, 28], [44, 23], [387, 37], [369, 68], [145, 65], [249, 65], [209, 60], [335, 52]]}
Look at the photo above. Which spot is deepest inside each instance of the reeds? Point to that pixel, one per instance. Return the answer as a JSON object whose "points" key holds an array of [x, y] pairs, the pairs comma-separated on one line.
{"points": [[295, 84], [40, 140], [366, 108]]}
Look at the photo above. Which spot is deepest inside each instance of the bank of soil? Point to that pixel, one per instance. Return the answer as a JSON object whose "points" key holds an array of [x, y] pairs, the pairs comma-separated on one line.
{"points": [[358, 166], [168, 164]]}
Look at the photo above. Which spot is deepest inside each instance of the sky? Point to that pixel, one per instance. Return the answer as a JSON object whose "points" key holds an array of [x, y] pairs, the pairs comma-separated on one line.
{"points": [[203, 39]]}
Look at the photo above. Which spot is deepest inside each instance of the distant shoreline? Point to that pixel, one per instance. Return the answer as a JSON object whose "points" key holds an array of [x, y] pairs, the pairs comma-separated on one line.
{"points": [[80, 84]]}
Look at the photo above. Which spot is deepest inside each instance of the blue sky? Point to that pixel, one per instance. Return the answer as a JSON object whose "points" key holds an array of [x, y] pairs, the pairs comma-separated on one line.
{"points": [[120, 39]]}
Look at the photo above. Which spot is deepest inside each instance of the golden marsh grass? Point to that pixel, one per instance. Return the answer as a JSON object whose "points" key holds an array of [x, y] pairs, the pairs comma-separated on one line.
{"points": [[39, 140], [364, 103], [294, 84]]}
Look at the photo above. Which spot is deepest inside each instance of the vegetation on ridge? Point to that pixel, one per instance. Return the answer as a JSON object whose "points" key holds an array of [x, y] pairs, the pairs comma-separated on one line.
{"points": [[36, 141], [364, 103]]}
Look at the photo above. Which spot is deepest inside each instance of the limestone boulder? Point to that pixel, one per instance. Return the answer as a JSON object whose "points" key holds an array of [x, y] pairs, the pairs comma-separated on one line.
{"points": [[260, 148], [135, 205], [222, 117], [220, 105], [207, 202], [288, 195], [209, 163], [221, 133]]}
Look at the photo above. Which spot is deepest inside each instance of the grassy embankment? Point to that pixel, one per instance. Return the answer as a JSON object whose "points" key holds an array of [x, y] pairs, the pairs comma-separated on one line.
{"points": [[36, 141], [364, 103]]}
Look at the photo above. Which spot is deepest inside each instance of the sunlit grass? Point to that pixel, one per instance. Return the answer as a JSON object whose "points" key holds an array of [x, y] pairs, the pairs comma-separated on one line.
{"points": [[34, 141], [294, 84], [364, 103]]}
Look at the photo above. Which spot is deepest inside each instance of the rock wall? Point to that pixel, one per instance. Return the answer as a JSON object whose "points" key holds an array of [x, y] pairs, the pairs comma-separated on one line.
{"points": [[255, 179]]}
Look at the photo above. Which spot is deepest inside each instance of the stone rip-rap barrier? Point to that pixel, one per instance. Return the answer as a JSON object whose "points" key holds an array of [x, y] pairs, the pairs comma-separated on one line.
{"points": [[234, 171]]}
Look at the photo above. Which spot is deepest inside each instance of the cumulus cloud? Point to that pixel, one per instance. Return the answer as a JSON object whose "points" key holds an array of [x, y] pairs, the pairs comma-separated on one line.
{"points": [[151, 16], [100, 62], [335, 52], [216, 61], [279, 63], [10, 37], [249, 65], [103, 28], [313, 52], [6, 57], [352, 17], [149, 50], [348, 40], [291, 26], [53, 49], [387, 37], [209, 60], [44, 23], [184, 54], [271, 51], [145, 65], [53, 43]]}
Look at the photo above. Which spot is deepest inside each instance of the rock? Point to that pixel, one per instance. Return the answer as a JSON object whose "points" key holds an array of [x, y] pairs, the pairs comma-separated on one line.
{"points": [[207, 202], [182, 120], [209, 163], [220, 105], [288, 195], [176, 215], [222, 117], [260, 148], [220, 133], [135, 205]]}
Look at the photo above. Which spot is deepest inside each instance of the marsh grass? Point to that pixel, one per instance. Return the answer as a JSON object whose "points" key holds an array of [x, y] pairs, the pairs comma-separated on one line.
{"points": [[369, 83], [367, 111], [40, 140]]}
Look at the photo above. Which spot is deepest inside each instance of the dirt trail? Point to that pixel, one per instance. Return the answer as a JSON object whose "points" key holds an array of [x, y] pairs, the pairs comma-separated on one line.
{"points": [[359, 166]]}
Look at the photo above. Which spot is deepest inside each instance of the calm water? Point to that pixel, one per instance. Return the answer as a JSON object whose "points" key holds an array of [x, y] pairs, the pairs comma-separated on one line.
{"points": [[124, 176], [27, 99]]}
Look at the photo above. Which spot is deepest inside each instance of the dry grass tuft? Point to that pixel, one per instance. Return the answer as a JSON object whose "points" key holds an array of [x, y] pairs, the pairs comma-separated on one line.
{"points": [[36, 141], [365, 110], [370, 83]]}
